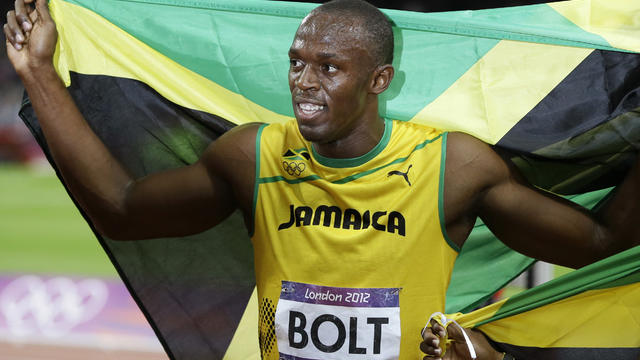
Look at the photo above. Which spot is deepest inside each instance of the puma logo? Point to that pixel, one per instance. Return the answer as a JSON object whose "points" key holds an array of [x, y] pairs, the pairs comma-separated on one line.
{"points": [[405, 175]]}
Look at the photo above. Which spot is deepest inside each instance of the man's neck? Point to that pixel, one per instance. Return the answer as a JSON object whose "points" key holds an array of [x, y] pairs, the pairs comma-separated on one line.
{"points": [[359, 142]]}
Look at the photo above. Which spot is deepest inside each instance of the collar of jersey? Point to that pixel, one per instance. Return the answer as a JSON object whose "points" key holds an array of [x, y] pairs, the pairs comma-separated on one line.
{"points": [[357, 161]]}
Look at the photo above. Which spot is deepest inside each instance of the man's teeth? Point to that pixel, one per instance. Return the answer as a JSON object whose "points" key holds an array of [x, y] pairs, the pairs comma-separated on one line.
{"points": [[310, 107]]}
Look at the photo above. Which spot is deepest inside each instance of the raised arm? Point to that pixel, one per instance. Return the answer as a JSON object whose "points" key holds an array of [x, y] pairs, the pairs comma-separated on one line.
{"points": [[178, 202], [534, 222]]}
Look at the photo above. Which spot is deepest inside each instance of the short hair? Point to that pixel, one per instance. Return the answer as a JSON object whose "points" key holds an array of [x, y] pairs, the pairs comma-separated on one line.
{"points": [[376, 25]]}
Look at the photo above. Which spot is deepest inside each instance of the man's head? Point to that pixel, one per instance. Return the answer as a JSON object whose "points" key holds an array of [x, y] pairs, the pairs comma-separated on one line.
{"points": [[375, 27], [340, 62]]}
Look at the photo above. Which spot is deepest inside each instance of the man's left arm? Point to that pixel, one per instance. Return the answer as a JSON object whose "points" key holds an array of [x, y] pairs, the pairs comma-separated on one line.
{"points": [[550, 228], [529, 220]]}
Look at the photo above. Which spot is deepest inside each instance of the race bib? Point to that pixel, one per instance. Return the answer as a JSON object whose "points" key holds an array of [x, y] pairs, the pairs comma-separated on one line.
{"points": [[323, 323]]}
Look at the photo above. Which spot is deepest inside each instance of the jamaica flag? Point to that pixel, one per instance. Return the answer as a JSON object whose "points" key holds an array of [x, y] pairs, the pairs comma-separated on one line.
{"points": [[591, 313], [553, 86]]}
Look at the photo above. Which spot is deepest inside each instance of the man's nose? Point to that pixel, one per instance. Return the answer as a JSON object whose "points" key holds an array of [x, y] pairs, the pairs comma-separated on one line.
{"points": [[307, 79]]}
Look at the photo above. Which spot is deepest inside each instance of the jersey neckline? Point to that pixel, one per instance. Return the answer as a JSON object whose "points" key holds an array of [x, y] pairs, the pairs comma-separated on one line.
{"points": [[356, 161]]}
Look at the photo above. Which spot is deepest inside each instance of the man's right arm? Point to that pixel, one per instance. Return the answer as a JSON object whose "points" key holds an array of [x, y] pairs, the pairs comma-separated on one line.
{"points": [[178, 202]]}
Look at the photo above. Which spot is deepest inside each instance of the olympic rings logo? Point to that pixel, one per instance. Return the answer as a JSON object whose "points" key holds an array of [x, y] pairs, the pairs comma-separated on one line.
{"points": [[293, 168], [53, 307]]}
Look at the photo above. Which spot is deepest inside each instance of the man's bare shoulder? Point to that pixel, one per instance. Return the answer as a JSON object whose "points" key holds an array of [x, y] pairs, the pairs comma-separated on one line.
{"points": [[474, 160], [232, 159], [472, 168], [237, 144]]}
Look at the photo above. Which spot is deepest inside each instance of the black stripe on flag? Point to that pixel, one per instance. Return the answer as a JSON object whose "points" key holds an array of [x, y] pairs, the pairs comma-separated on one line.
{"points": [[192, 290], [570, 353]]}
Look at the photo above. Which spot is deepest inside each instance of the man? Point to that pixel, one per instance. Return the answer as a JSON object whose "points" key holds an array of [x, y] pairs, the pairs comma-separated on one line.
{"points": [[328, 196]]}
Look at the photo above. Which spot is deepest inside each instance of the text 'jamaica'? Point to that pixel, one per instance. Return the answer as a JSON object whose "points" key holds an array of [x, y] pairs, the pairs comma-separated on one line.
{"points": [[333, 216]]}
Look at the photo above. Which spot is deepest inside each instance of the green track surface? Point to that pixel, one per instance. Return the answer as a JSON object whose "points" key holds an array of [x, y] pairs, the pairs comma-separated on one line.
{"points": [[41, 231]]}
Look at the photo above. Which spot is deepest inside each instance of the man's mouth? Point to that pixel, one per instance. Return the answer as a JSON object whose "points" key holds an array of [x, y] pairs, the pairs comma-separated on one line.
{"points": [[309, 109]]}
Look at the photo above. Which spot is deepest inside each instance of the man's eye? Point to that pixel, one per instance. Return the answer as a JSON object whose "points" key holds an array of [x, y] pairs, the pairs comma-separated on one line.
{"points": [[330, 68], [295, 62]]}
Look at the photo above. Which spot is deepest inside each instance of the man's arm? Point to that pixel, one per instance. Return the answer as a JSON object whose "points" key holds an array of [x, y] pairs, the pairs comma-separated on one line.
{"points": [[178, 202], [478, 182]]}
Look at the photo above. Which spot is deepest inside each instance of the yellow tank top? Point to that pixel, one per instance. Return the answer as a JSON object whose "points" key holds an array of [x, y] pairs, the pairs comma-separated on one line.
{"points": [[350, 254]]}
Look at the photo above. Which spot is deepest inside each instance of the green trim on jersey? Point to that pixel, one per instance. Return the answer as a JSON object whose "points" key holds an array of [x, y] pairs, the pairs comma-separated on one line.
{"points": [[256, 182], [396, 161], [290, 181], [347, 179], [443, 223], [357, 161]]}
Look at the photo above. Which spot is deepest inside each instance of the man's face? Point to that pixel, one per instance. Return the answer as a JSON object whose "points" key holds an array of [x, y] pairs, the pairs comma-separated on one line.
{"points": [[329, 77]]}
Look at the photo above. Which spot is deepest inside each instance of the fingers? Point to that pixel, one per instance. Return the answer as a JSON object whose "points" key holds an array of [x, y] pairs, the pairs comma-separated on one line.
{"points": [[43, 11], [7, 34], [431, 345], [438, 329], [22, 16], [33, 16], [13, 32], [455, 333], [431, 340], [18, 24]]}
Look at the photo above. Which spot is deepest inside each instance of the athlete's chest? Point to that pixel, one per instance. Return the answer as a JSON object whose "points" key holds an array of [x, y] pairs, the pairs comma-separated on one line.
{"points": [[392, 196]]}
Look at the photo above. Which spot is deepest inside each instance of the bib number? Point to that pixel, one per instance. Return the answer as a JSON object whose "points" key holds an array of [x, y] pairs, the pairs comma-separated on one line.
{"points": [[321, 323]]}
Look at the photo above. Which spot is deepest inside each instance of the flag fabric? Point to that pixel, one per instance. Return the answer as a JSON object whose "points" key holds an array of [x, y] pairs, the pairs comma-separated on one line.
{"points": [[591, 313], [553, 86]]}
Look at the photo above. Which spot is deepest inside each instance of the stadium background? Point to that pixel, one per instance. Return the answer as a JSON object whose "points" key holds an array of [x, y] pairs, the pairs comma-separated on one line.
{"points": [[48, 252]]}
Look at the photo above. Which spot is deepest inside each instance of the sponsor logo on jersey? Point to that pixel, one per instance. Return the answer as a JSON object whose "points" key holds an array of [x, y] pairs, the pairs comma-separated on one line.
{"points": [[333, 216], [405, 174]]}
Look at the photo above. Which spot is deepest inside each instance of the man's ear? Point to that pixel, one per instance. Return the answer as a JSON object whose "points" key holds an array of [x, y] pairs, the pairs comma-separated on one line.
{"points": [[382, 77]]}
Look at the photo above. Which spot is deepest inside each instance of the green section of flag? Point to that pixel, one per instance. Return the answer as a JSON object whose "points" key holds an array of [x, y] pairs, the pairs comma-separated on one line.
{"points": [[474, 278], [627, 280], [243, 45], [618, 270]]}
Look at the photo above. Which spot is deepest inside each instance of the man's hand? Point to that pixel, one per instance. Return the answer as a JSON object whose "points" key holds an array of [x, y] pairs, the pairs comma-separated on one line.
{"points": [[458, 349], [30, 36]]}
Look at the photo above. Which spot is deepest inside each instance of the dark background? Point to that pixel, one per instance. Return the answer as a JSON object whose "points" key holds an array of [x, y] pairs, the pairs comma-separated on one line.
{"points": [[414, 5], [442, 5]]}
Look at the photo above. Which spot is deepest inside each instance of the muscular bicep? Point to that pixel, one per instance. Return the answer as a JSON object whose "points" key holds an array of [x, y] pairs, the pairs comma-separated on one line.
{"points": [[536, 223], [541, 225], [193, 198], [177, 202]]}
